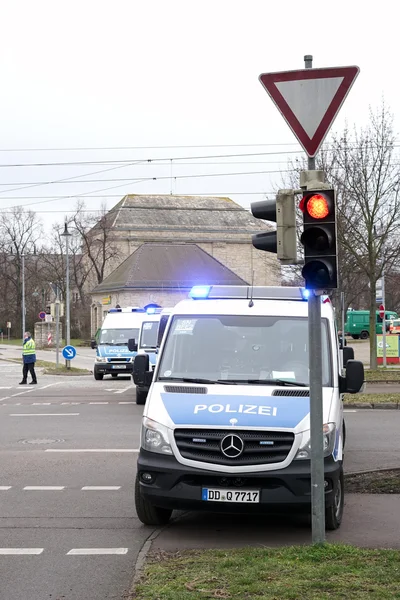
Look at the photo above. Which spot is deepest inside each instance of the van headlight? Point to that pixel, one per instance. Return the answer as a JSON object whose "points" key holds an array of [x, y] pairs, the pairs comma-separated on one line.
{"points": [[304, 452], [101, 359], [154, 437]]}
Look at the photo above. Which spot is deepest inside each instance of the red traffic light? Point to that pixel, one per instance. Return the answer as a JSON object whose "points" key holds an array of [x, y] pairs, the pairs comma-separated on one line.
{"points": [[316, 206]]}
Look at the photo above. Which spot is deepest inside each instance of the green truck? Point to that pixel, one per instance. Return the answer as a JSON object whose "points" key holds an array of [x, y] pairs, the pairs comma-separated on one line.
{"points": [[357, 323]]}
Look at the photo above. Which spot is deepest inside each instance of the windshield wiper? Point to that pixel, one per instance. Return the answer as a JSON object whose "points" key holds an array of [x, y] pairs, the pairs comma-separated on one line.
{"points": [[195, 380], [266, 382]]}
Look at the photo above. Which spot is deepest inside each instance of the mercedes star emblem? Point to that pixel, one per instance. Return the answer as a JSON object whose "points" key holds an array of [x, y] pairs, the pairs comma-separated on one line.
{"points": [[232, 446]]}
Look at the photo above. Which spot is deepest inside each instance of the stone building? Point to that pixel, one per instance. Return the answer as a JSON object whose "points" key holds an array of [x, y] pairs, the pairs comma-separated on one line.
{"points": [[158, 273], [218, 226]]}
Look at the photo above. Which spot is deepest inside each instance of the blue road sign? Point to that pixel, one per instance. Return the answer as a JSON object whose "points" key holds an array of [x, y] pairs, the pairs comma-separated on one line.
{"points": [[69, 352], [42, 315]]}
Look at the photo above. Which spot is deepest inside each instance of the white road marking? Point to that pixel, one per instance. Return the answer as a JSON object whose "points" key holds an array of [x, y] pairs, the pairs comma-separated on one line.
{"points": [[14, 551], [4, 488], [112, 389], [44, 488], [346, 411], [96, 551], [20, 393], [5, 387], [50, 384], [98, 402], [70, 403], [124, 390], [41, 403], [100, 488], [44, 414], [126, 402], [92, 450]]}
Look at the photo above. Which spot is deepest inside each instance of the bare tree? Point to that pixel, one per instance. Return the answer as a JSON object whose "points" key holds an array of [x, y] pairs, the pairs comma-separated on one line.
{"points": [[98, 242], [364, 168], [20, 234]]}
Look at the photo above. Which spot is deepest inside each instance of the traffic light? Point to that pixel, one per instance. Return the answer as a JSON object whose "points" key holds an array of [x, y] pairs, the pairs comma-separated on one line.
{"points": [[283, 241], [319, 239]]}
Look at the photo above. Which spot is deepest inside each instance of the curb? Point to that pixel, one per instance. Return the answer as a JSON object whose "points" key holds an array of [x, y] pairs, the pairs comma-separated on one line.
{"points": [[141, 559], [372, 405], [385, 470]]}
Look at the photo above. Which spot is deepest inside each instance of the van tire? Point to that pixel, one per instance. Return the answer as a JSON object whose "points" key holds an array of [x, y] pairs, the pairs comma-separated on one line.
{"points": [[334, 513], [98, 376], [355, 336], [148, 513], [364, 335], [141, 396]]}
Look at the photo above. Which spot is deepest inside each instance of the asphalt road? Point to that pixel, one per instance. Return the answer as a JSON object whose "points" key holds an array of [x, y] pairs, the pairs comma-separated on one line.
{"points": [[68, 524], [68, 450]]}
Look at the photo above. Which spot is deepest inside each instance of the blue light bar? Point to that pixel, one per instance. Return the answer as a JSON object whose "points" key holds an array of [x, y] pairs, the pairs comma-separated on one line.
{"points": [[305, 293], [199, 292], [113, 310], [151, 310]]}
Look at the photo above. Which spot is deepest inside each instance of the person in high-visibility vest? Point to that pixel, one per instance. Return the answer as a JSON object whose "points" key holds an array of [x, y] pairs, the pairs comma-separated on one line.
{"points": [[29, 358]]}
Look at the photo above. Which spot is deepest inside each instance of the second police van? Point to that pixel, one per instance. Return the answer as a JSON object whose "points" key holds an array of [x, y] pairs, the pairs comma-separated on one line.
{"points": [[113, 356], [226, 424]]}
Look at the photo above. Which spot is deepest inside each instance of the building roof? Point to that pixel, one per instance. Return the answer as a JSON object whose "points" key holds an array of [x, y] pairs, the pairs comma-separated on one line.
{"points": [[220, 217], [167, 266]]}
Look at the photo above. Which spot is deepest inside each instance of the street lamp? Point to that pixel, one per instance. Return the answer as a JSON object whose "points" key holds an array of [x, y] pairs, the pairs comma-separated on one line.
{"points": [[67, 235], [23, 295]]}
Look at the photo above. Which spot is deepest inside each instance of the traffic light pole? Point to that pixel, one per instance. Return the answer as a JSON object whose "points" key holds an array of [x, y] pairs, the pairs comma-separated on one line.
{"points": [[316, 405]]}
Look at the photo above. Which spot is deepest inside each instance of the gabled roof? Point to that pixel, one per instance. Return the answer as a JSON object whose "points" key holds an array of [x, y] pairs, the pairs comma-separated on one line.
{"points": [[203, 214], [168, 266]]}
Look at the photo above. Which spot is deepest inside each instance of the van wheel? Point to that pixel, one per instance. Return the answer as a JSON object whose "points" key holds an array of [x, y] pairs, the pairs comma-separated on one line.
{"points": [[114, 375], [147, 513], [334, 513], [355, 336], [364, 335], [141, 396], [98, 376]]}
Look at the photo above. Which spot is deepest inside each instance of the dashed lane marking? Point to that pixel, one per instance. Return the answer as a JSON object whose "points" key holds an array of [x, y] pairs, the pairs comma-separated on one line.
{"points": [[96, 551], [44, 415], [5, 488], [15, 551], [101, 488], [44, 488], [76, 450]]}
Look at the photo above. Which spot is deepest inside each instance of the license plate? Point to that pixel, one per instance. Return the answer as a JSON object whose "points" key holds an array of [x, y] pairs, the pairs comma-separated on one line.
{"points": [[118, 367], [242, 496]]}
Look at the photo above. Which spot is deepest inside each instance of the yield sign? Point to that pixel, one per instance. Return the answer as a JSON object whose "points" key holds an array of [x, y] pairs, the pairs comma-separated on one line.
{"points": [[309, 100]]}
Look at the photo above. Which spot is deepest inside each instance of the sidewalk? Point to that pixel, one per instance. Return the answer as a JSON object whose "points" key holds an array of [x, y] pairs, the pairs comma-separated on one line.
{"points": [[369, 521], [84, 358]]}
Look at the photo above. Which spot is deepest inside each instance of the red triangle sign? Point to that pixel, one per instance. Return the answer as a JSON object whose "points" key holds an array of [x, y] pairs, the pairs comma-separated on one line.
{"points": [[309, 100]]}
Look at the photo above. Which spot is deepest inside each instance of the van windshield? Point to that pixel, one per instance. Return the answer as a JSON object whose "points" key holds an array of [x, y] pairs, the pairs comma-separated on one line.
{"points": [[245, 349], [149, 334], [117, 337]]}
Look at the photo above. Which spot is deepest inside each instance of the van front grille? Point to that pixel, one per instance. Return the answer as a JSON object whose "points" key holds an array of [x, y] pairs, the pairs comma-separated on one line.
{"points": [[258, 447]]}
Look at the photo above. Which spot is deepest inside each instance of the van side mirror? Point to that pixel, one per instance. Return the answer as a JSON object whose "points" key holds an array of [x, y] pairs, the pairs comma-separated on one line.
{"points": [[354, 378], [348, 354], [132, 345], [93, 344], [141, 371]]}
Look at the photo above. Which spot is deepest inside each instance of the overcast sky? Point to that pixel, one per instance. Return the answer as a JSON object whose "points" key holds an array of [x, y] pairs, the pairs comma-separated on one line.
{"points": [[156, 76]]}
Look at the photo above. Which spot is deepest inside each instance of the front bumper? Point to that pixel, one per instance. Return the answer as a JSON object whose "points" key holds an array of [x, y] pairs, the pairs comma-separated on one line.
{"points": [[108, 368], [179, 487]]}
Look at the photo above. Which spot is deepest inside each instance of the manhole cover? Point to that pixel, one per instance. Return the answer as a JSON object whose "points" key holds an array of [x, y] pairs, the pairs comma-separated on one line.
{"points": [[42, 441]]}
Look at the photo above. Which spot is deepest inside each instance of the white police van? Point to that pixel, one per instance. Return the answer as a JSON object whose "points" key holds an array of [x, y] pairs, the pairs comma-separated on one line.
{"points": [[113, 356], [150, 337], [226, 425]]}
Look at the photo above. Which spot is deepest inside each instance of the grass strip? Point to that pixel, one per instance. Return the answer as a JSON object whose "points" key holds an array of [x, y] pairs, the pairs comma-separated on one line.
{"points": [[382, 375], [292, 573], [378, 482], [372, 399]]}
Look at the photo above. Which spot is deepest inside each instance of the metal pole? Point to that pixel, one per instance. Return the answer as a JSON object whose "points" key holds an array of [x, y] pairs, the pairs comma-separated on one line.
{"points": [[384, 320], [343, 319], [316, 407], [23, 295], [57, 328], [67, 235]]}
